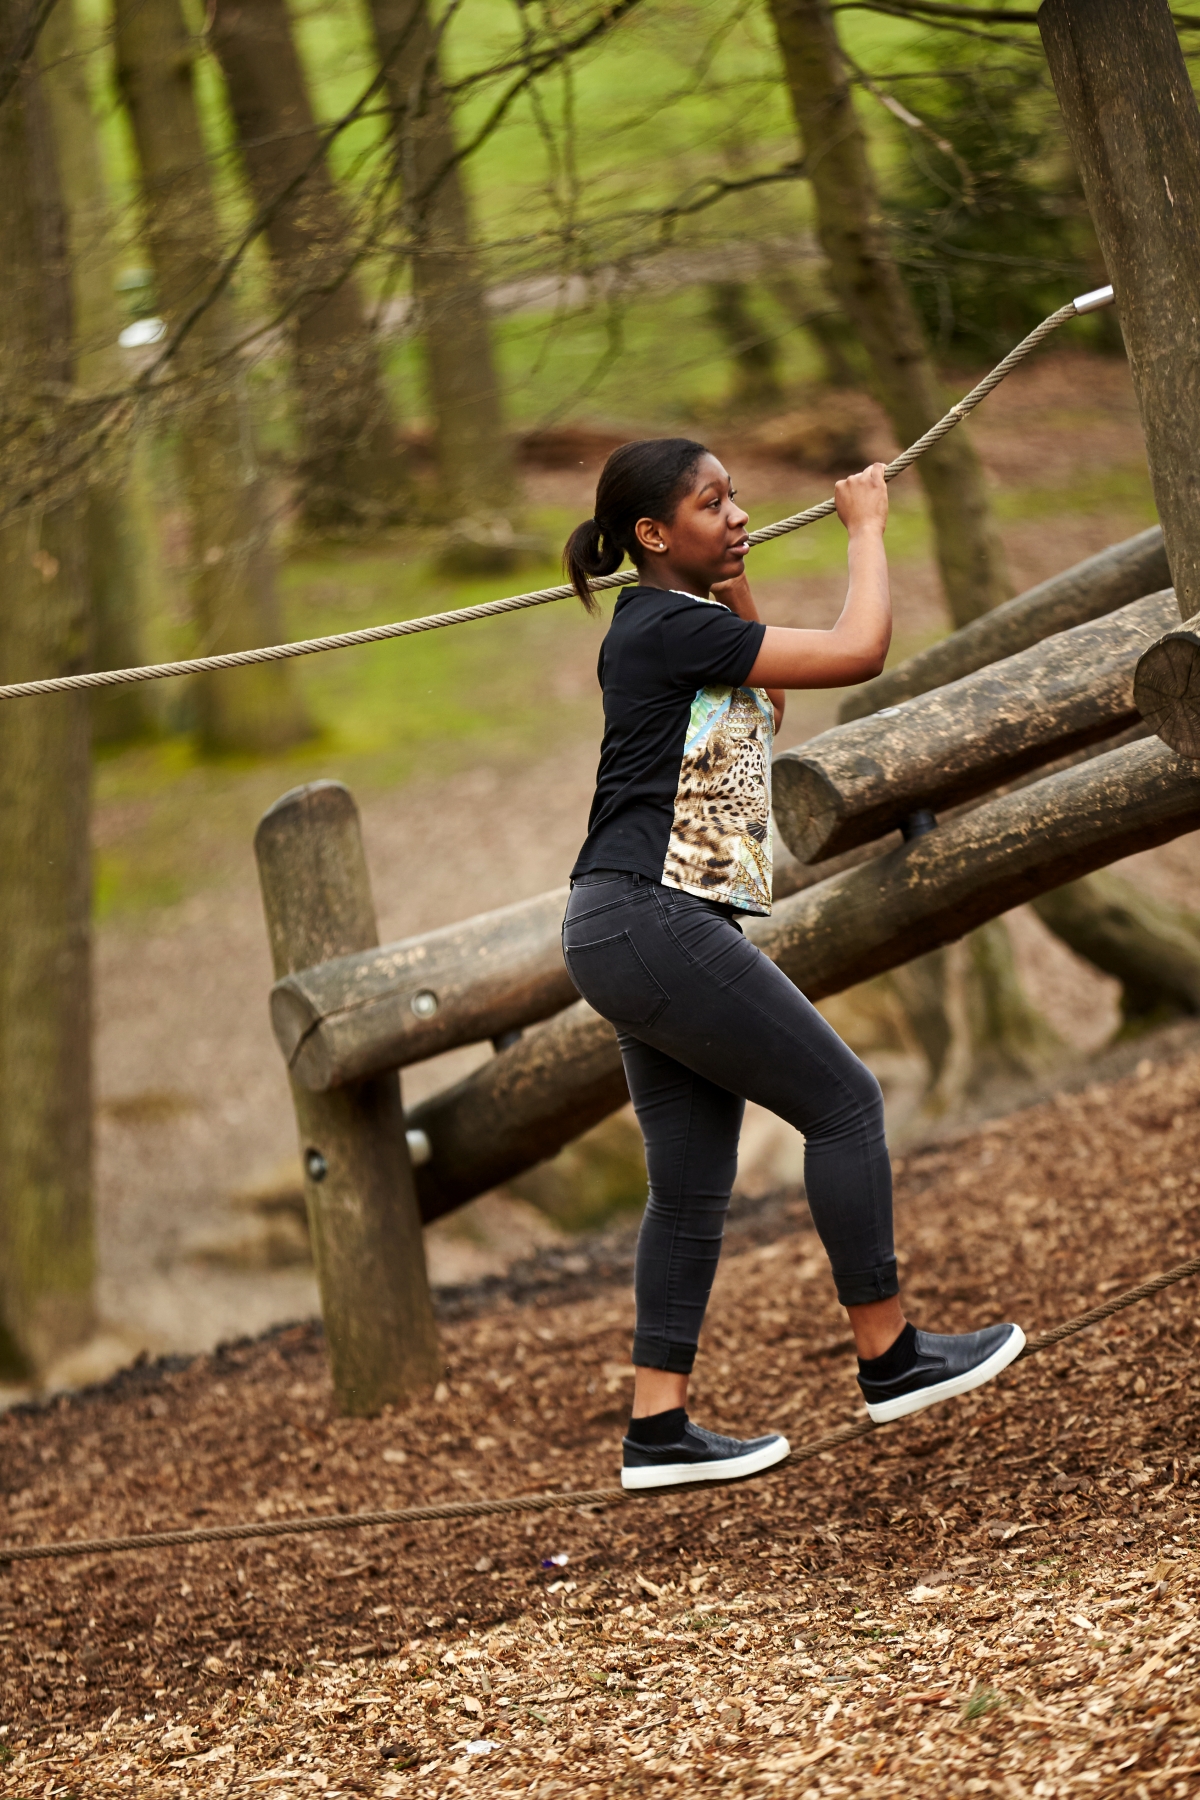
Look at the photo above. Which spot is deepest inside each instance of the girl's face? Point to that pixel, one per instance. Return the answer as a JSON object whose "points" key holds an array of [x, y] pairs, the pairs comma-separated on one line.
{"points": [[706, 540]]}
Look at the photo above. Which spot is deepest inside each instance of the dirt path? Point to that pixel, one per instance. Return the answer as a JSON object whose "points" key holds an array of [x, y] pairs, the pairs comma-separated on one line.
{"points": [[999, 1598]]}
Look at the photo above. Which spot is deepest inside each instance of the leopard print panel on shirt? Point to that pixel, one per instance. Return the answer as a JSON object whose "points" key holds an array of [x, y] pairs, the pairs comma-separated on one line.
{"points": [[720, 846]]}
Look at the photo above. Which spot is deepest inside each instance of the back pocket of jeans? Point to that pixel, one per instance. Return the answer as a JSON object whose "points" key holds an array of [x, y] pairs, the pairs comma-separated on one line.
{"points": [[612, 977]]}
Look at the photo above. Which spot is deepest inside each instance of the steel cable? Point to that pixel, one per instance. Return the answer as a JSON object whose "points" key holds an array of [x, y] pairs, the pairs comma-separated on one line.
{"points": [[532, 1503], [376, 634]]}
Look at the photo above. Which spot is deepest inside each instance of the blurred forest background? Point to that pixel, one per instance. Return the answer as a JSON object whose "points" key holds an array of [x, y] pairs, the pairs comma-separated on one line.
{"points": [[325, 312]]}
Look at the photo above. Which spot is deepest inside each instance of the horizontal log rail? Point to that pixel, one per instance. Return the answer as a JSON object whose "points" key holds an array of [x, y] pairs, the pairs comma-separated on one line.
{"points": [[1098, 585], [860, 780], [527, 1102], [385, 1008]]}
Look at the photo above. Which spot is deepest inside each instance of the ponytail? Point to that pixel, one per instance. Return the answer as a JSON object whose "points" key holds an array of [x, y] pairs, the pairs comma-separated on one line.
{"points": [[589, 552], [642, 480]]}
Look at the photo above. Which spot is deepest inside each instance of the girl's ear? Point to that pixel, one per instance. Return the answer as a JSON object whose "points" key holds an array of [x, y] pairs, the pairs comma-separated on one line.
{"points": [[649, 534]]}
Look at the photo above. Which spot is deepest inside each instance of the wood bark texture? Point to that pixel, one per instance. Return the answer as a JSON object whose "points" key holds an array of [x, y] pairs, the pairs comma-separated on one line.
{"points": [[358, 1181], [868, 283], [46, 1239], [474, 457], [232, 580], [527, 1102], [1098, 585], [1152, 949], [1131, 115], [1166, 688], [857, 781], [116, 540], [404, 1002], [351, 466]]}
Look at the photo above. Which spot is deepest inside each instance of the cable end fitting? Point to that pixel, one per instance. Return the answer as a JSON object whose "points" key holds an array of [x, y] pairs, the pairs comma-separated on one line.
{"points": [[1095, 301]]}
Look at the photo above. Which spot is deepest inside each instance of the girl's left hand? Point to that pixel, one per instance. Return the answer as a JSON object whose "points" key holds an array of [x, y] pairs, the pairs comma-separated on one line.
{"points": [[736, 596]]}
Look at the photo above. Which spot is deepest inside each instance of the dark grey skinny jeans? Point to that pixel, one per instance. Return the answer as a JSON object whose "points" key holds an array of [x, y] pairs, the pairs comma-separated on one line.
{"points": [[705, 1023]]}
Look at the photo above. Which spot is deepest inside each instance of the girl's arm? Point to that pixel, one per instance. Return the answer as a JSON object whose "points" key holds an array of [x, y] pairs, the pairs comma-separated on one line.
{"points": [[738, 598], [857, 646]]}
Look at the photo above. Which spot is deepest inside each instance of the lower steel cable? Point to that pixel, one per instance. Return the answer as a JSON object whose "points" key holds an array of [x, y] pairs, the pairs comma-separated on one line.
{"points": [[533, 1503]]}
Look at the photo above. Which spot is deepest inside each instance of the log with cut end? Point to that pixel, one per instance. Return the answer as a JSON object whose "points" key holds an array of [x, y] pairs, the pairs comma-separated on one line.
{"points": [[1089, 590], [404, 1002], [1166, 688], [858, 781], [525, 1104]]}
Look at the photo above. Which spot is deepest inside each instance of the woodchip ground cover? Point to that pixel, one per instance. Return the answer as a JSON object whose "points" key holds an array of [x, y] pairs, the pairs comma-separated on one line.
{"points": [[998, 1598]]}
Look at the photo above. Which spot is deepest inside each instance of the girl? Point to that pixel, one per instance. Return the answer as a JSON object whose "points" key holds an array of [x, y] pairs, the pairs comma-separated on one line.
{"points": [[678, 846]]}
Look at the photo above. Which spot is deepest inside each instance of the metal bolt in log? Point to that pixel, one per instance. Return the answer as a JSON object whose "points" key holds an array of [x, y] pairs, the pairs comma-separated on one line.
{"points": [[358, 1179], [858, 781], [400, 1003], [525, 1104], [1098, 585]]}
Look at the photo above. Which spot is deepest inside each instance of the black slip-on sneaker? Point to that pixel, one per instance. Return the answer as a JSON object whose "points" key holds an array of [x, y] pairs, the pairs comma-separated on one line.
{"points": [[699, 1455], [945, 1366]]}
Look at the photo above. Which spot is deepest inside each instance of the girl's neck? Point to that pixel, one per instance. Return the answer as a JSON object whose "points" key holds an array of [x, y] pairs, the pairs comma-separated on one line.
{"points": [[672, 581]]}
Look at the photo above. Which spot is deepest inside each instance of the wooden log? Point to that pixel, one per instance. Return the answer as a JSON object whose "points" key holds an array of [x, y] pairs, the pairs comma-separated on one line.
{"points": [[524, 1104], [358, 1180], [384, 1008], [518, 1109], [849, 785], [1166, 688], [1098, 585], [1131, 116]]}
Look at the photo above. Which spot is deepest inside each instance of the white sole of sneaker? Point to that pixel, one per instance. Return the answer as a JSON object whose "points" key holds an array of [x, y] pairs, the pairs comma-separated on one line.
{"points": [[731, 1468], [885, 1411]]}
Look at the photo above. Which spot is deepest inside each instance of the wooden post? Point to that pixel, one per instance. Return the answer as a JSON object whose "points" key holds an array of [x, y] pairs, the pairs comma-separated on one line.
{"points": [[358, 1179], [1132, 119]]}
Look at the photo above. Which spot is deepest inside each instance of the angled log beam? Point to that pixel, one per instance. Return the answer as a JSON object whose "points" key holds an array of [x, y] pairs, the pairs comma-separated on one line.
{"points": [[387, 1007], [1098, 585], [860, 780], [527, 1102]]}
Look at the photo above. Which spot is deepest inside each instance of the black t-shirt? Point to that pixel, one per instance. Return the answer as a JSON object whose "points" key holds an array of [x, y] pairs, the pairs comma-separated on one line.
{"points": [[683, 790]]}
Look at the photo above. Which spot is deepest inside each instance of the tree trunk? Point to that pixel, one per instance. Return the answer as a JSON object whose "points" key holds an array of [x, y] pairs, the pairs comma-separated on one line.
{"points": [[1132, 119], [351, 467], [751, 349], [233, 566], [1152, 949], [868, 283], [474, 457], [116, 551], [46, 1251], [1098, 585], [972, 1018]]}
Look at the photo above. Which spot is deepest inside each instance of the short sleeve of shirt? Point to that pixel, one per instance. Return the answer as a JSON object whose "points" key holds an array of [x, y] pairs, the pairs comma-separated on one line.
{"points": [[704, 644]]}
